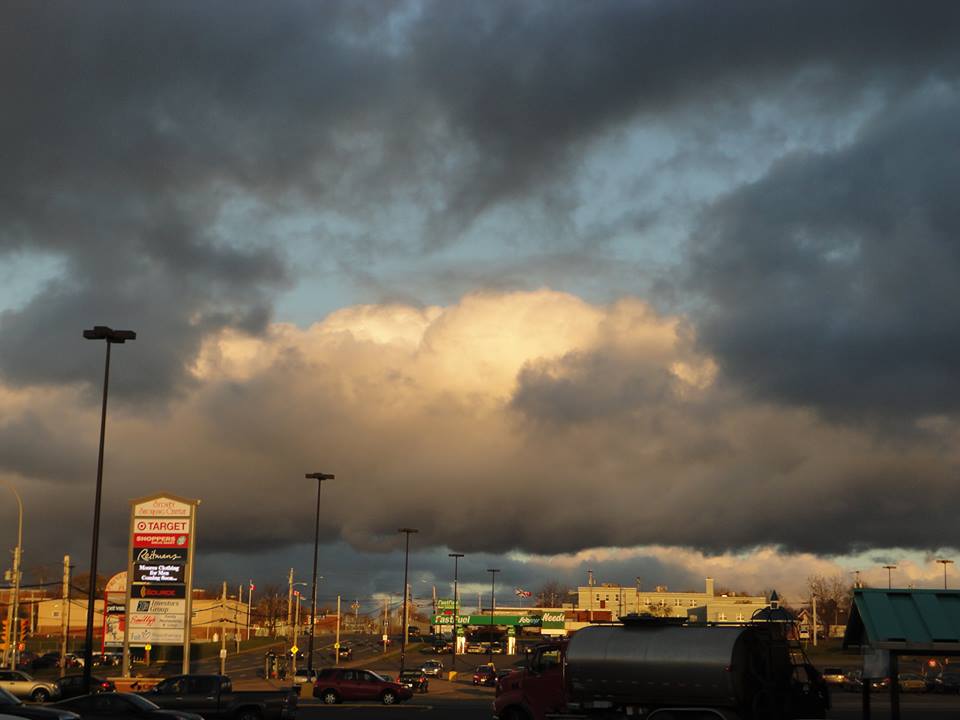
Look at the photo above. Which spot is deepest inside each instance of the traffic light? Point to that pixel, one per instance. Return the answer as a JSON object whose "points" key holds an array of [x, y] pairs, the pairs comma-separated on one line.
{"points": [[24, 628], [3, 635]]}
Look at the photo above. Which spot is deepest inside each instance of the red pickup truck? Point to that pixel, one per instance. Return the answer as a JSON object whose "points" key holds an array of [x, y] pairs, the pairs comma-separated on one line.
{"points": [[335, 685]]}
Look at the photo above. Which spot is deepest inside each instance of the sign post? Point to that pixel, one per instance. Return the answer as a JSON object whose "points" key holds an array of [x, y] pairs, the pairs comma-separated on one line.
{"points": [[160, 575]]}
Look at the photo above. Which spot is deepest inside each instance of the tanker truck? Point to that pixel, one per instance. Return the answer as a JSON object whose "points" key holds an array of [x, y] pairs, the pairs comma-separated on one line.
{"points": [[658, 669]]}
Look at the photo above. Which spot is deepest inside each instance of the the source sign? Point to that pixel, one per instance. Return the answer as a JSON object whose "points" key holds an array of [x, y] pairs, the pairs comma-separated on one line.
{"points": [[162, 533]]}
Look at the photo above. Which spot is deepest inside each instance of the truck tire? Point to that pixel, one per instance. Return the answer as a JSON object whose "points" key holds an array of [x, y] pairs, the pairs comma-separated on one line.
{"points": [[248, 714], [329, 697], [388, 697], [40, 695], [514, 714]]}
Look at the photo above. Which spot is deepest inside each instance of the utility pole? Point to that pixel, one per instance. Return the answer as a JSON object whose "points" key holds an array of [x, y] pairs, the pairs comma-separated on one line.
{"points": [[289, 603], [65, 610], [386, 626], [250, 588], [814, 602], [223, 629], [236, 620], [336, 644], [296, 632]]}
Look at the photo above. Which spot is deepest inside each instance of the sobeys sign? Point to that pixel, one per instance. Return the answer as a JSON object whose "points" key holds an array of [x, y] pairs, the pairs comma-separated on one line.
{"points": [[552, 620]]}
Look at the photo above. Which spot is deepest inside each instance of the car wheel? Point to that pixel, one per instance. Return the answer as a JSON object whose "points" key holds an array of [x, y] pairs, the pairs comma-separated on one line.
{"points": [[40, 695], [329, 697], [388, 697]]}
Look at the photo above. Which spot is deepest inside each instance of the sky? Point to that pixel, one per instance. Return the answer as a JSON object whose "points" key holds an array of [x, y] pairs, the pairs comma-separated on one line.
{"points": [[655, 289]]}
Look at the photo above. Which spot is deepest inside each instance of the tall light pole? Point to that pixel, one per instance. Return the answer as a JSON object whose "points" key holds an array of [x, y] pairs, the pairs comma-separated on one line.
{"points": [[13, 614], [889, 568], [319, 477], [945, 563], [403, 623], [493, 574], [99, 332], [456, 607]]}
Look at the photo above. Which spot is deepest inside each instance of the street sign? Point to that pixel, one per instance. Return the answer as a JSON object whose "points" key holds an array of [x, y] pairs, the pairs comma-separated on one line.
{"points": [[223, 653], [294, 650], [336, 646], [148, 647]]}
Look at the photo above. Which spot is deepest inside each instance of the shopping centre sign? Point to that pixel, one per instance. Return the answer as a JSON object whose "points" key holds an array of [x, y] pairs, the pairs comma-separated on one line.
{"points": [[163, 531]]}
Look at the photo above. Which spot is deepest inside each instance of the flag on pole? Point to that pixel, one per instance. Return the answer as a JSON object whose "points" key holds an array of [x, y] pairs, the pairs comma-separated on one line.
{"points": [[521, 593]]}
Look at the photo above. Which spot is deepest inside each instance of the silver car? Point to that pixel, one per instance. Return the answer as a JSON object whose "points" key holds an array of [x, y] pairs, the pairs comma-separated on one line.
{"points": [[432, 668], [23, 686]]}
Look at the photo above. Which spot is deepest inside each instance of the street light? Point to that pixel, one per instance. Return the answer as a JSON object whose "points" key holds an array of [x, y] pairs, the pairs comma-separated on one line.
{"points": [[456, 607], [403, 623], [319, 477], [99, 332], [493, 574], [888, 568], [945, 563], [14, 612]]}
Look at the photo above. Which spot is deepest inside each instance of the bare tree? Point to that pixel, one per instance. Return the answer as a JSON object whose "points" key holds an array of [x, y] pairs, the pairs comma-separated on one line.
{"points": [[834, 594], [551, 594], [271, 606]]}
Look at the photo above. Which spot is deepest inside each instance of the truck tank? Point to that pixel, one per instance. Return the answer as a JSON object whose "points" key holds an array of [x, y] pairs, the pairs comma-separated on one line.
{"points": [[667, 664]]}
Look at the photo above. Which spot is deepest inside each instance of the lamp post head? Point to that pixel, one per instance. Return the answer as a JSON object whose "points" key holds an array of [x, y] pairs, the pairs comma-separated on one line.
{"points": [[493, 570], [455, 555], [319, 476], [102, 332]]}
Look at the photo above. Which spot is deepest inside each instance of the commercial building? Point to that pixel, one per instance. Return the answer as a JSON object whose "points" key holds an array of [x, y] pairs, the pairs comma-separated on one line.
{"points": [[608, 601]]}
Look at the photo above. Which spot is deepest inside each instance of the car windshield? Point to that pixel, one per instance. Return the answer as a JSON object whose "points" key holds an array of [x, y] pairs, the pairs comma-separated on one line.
{"points": [[6, 699]]}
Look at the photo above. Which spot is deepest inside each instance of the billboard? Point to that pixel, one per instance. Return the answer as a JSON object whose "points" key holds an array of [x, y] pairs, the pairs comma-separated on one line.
{"points": [[160, 569]]}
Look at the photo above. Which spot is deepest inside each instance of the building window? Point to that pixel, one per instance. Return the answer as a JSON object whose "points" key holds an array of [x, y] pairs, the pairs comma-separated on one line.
{"points": [[693, 603], [721, 617], [740, 617], [598, 596], [678, 602], [646, 601]]}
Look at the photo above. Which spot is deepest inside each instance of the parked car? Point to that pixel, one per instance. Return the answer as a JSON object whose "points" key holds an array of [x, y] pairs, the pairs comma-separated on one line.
{"points": [[23, 686], [416, 680], [947, 682], [72, 685], [833, 675], [496, 648], [213, 697], [474, 647], [14, 706], [485, 675], [911, 682], [432, 668], [345, 652], [120, 706], [335, 685], [302, 676], [853, 682], [47, 661]]}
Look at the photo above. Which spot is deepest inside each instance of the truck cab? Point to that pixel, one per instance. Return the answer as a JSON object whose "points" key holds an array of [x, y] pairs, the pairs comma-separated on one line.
{"points": [[535, 690]]}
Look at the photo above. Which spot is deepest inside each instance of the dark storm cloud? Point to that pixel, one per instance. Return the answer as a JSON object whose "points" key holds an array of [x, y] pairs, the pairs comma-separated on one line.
{"points": [[527, 84], [832, 281], [129, 131]]}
